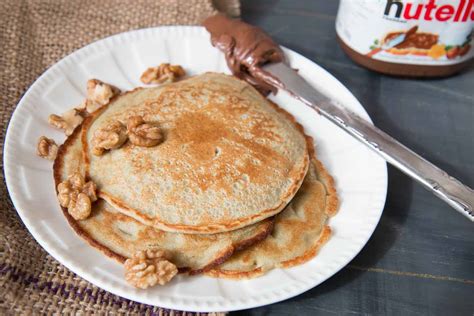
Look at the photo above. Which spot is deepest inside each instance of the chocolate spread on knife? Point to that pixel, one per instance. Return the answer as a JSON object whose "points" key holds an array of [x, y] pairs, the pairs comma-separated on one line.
{"points": [[246, 48]]}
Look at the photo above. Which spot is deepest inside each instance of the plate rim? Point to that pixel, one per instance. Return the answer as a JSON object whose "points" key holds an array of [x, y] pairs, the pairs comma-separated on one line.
{"points": [[135, 295]]}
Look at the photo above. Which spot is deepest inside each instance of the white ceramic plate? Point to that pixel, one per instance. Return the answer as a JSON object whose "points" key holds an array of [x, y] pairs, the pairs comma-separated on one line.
{"points": [[361, 176]]}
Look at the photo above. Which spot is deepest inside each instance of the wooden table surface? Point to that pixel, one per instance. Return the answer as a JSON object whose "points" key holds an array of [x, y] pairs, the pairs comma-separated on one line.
{"points": [[420, 260]]}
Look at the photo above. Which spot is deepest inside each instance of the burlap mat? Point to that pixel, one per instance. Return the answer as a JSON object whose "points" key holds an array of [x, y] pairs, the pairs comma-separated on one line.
{"points": [[34, 34]]}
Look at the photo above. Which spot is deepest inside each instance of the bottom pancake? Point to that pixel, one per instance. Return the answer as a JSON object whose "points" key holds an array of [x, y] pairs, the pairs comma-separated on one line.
{"points": [[299, 231], [119, 236]]}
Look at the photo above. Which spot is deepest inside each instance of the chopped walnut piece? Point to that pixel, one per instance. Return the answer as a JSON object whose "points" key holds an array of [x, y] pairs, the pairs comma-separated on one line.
{"points": [[110, 137], [148, 268], [153, 254], [92, 106], [143, 134], [164, 73], [57, 121], [90, 189], [65, 191], [81, 108], [67, 122], [77, 196], [80, 206], [77, 181], [100, 92], [47, 148], [87, 106]]}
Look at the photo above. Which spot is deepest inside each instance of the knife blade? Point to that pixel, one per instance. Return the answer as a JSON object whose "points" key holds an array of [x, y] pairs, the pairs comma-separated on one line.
{"points": [[449, 189]]}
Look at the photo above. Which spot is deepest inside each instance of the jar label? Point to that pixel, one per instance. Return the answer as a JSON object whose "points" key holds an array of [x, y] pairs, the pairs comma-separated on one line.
{"points": [[422, 32]]}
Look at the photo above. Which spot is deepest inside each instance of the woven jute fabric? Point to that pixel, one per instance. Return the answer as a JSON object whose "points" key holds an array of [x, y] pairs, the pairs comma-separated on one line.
{"points": [[34, 34]]}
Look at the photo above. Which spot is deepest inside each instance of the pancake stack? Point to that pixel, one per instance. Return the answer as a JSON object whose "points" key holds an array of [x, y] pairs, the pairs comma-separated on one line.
{"points": [[233, 188]]}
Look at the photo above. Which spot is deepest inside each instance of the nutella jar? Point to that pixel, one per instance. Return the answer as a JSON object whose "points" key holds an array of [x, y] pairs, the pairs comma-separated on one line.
{"points": [[416, 38]]}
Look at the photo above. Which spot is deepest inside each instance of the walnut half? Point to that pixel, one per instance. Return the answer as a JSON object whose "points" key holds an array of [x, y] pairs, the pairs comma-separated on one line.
{"points": [[98, 94], [148, 268], [77, 196], [142, 133], [67, 122], [164, 73], [110, 137], [47, 148], [80, 206]]}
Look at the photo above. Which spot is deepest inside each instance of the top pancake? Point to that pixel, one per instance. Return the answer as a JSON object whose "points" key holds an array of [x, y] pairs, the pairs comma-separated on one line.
{"points": [[119, 236], [230, 157]]}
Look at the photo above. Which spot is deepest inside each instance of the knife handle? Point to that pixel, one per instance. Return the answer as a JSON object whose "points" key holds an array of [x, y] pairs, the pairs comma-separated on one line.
{"points": [[449, 189]]}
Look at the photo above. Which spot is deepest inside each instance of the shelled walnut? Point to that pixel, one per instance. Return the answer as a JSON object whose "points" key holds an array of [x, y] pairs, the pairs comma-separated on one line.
{"points": [[98, 94], [143, 133], [47, 148], [164, 73], [148, 268], [77, 196], [110, 137], [67, 122]]}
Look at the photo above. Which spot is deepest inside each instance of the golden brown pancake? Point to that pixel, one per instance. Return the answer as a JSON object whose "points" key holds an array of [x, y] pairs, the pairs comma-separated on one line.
{"points": [[120, 236], [299, 231], [230, 157]]}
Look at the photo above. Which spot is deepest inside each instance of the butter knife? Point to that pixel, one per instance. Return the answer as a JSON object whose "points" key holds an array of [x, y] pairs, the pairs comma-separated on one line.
{"points": [[449, 189]]}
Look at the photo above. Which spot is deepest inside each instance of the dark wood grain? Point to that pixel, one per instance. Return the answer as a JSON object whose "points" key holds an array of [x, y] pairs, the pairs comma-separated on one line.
{"points": [[420, 259]]}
